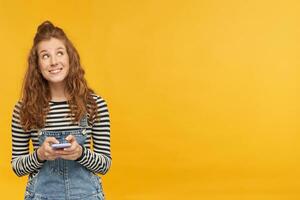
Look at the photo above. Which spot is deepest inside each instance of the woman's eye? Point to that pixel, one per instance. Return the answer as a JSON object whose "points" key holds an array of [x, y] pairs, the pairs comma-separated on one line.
{"points": [[45, 56], [60, 53]]}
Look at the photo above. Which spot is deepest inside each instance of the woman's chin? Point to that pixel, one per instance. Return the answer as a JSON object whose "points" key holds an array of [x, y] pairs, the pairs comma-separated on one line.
{"points": [[56, 81]]}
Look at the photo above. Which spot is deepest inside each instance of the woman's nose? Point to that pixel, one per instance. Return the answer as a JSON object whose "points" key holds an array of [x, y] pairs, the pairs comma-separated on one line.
{"points": [[53, 61]]}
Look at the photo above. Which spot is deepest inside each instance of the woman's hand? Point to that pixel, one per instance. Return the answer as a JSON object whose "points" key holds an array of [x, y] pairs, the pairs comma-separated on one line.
{"points": [[45, 152], [70, 153]]}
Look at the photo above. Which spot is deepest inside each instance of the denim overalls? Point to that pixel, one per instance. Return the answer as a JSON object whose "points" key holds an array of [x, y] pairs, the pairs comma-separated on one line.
{"points": [[64, 179]]}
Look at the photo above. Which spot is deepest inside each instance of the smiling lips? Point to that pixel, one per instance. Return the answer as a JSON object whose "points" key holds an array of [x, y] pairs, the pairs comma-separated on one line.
{"points": [[55, 71]]}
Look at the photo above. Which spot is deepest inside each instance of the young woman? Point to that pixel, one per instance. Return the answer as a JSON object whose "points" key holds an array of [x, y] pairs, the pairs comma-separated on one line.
{"points": [[58, 108]]}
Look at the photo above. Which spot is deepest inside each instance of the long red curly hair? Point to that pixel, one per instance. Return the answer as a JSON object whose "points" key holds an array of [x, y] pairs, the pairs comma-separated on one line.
{"points": [[36, 93]]}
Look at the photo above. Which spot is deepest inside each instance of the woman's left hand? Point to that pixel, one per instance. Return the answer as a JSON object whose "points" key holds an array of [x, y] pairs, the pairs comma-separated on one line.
{"points": [[73, 152]]}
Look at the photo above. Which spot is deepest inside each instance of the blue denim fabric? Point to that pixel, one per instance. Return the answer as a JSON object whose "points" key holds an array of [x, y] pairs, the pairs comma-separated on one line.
{"points": [[64, 179]]}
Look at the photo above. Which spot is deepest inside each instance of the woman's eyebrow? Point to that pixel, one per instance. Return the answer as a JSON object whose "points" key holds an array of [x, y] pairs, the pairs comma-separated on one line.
{"points": [[60, 48], [56, 49], [42, 51]]}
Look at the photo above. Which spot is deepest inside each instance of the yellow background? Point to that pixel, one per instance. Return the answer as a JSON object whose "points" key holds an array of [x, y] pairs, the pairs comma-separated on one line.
{"points": [[203, 95]]}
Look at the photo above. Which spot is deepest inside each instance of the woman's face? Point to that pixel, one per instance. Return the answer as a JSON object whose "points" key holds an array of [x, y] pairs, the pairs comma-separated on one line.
{"points": [[53, 61]]}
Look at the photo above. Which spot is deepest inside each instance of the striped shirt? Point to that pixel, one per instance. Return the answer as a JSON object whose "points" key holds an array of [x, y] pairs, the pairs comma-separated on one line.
{"points": [[97, 160]]}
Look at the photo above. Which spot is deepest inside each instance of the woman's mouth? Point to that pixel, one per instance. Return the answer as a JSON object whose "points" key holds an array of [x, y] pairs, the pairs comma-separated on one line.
{"points": [[55, 71]]}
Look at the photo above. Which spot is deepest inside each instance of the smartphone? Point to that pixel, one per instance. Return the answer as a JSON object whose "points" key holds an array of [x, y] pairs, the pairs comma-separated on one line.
{"points": [[61, 145]]}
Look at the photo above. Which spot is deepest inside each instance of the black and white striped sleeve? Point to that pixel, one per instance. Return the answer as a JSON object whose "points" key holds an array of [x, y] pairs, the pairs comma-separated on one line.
{"points": [[23, 162], [99, 160]]}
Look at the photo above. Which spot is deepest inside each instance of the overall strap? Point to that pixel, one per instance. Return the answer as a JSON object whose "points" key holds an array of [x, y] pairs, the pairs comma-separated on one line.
{"points": [[83, 121]]}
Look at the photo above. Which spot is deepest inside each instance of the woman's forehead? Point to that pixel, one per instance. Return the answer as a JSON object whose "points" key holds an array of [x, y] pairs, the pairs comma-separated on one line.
{"points": [[50, 45]]}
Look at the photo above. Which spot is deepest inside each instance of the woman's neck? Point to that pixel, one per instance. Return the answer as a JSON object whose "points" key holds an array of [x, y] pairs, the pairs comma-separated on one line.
{"points": [[58, 92]]}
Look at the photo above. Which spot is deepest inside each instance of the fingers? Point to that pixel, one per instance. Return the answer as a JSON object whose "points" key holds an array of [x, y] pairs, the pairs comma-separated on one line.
{"points": [[46, 152], [73, 152], [71, 155], [51, 155], [51, 140], [71, 138]]}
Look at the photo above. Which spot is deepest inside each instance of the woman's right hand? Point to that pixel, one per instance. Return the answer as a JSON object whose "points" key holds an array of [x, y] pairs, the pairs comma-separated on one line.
{"points": [[45, 152]]}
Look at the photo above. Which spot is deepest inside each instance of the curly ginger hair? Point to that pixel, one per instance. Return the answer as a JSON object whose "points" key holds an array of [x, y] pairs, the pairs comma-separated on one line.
{"points": [[36, 92]]}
